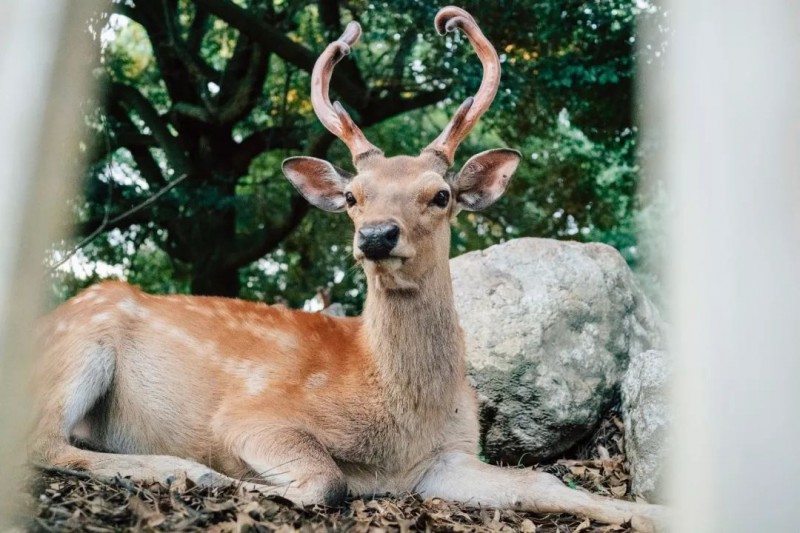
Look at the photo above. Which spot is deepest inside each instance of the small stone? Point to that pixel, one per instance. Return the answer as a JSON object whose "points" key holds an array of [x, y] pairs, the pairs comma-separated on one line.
{"points": [[645, 412]]}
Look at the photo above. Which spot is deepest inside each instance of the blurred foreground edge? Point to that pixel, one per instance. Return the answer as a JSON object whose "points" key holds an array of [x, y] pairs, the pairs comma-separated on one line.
{"points": [[45, 75], [727, 114]]}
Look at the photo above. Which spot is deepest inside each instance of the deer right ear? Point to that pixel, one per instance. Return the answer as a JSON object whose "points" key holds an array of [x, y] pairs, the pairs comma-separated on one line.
{"points": [[321, 183], [484, 178]]}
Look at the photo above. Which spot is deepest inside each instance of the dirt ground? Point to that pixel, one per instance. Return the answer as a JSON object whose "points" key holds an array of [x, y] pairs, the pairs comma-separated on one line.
{"points": [[63, 501]]}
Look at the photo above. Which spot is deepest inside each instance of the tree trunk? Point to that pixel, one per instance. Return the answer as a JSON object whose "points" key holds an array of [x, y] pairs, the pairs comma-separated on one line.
{"points": [[216, 283], [212, 232]]}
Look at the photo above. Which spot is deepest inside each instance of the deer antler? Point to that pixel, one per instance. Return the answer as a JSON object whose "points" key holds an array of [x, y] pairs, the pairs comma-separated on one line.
{"points": [[448, 19], [333, 116]]}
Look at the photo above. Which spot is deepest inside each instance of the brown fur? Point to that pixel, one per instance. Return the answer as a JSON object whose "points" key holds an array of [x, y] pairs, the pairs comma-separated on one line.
{"points": [[313, 404]]}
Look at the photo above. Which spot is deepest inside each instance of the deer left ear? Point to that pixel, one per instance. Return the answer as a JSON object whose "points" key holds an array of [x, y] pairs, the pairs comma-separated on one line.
{"points": [[484, 178], [318, 181]]}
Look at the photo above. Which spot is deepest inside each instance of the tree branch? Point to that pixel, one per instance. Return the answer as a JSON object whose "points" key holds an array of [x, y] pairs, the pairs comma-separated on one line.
{"points": [[395, 104], [257, 244], [242, 82], [329, 15], [132, 100], [147, 166], [153, 18], [251, 247], [403, 51], [197, 30], [95, 226], [331, 21], [111, 222], [124, 136], [199, 71], [283, 47], [145, 162], [275, 138], [199, 113]]}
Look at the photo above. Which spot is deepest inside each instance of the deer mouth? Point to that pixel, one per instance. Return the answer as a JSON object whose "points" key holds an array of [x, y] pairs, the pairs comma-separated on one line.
{"points": [[389, 264], [388, 275], [392, 262]]}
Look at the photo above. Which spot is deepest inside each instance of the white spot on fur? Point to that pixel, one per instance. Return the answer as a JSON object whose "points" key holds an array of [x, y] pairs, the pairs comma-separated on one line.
{"points": [[131, 308], [256, 381], [62, 326], [100, 318], [253, 375], [128, 306], [181, 335], [317, 380], [92, 294], [83, 297], [282, 340], [178, 334]]}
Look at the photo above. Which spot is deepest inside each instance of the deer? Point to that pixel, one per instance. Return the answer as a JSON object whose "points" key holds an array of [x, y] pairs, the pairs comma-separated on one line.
{"points": [[310, 407]]}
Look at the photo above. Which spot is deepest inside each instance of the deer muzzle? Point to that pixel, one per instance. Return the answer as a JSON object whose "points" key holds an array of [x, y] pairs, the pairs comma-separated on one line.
{"points": [[376, 241]]}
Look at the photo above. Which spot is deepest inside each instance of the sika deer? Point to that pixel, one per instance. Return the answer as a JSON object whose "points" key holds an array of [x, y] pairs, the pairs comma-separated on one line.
{"points": [[314, 406]]}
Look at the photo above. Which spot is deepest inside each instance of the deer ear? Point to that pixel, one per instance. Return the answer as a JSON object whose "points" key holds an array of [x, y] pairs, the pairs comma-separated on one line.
{"points": [[484, 178], [321, 183]]}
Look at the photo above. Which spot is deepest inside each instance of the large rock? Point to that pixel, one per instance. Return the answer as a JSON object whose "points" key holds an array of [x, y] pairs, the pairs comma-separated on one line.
{"points": [[645, 413], [550, 327]]}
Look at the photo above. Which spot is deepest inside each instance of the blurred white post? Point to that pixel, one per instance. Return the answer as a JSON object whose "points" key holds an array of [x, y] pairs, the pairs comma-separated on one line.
{"points": [[44, 53], [729, 104]]}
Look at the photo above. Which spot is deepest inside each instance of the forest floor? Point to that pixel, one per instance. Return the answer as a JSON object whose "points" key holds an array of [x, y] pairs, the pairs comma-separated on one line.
{"points": [[61, 502]]}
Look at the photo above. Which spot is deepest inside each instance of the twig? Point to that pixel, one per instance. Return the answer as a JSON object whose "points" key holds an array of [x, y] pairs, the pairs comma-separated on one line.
{"points": [[61, 470], [106, 222]]}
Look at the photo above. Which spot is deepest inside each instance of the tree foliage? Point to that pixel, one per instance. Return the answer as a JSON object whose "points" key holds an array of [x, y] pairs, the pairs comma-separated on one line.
{"points": [[216, 92]]}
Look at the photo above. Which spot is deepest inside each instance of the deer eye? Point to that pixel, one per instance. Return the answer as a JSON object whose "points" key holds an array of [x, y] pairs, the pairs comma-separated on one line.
{"points": [[350, 199], [442, 198]]}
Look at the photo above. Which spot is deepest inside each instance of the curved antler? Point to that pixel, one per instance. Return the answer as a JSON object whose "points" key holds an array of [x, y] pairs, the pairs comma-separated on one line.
{"points": [[448, 19], [333, 116]]}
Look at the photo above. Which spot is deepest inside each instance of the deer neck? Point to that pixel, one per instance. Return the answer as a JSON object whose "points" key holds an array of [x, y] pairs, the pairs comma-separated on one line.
{"points": [[417, 345]]}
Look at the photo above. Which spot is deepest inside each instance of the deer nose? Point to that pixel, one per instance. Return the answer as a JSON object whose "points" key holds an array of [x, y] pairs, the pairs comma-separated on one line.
{"points": [[378, 240]]}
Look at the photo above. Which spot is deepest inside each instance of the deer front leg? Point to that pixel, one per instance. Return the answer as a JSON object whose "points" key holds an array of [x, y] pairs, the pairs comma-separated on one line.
{"points": [[295, 463], [464, 478]]}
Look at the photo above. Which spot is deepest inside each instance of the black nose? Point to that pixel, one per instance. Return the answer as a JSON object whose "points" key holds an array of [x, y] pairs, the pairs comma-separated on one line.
{"points": [[378, 240]]}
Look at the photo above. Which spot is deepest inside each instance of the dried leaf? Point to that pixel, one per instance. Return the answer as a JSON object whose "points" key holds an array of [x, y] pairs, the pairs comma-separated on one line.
{"points": [[374, 504], [586, 524], [619, 490], [578, 470], [603, 452], [179, 482], [358, 506], [215, 507], [147, 515]]}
